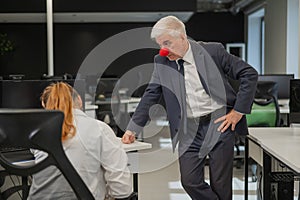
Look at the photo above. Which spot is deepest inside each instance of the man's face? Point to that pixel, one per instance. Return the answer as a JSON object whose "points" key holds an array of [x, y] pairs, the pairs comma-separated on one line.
{"points": [[177, 46]]}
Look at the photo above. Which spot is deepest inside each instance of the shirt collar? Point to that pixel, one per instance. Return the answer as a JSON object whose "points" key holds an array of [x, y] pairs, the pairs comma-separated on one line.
{"points": [[188, 57]]}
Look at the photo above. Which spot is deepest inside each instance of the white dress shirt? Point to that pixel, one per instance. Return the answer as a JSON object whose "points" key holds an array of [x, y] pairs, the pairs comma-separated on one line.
{"points": [[98, 157], [199, 103]]}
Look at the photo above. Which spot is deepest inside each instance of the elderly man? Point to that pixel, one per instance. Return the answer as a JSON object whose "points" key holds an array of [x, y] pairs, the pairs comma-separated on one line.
{"points": [[203, 110]]}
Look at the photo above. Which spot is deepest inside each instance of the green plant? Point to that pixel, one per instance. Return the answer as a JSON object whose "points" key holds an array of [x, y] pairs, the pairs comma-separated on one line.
{"points": [[5, 44]]}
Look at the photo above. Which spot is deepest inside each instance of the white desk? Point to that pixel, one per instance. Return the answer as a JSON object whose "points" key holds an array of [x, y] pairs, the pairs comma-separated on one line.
{"points": [[90, 107], [126, 105], [283, 144], [133, 158], [283, 102], [129, 105], [284, 106], [136, 146], [133, 154], [113, 101], [284, 109], [90, 110]]}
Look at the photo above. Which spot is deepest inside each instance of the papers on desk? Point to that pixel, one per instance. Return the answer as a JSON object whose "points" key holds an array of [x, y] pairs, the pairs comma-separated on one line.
{"points": [[136, 146]]}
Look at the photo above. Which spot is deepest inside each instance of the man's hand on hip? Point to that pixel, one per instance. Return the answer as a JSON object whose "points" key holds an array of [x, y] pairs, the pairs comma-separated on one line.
{"points": [[231, 119], [128, 137]]}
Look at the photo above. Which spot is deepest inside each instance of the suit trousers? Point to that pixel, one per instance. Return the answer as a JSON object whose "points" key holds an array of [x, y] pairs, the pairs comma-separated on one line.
{"points": [[192, 161]]}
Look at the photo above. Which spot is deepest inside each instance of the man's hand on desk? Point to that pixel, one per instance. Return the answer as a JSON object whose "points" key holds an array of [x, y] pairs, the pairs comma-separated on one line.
{"points": [[128, 137]]}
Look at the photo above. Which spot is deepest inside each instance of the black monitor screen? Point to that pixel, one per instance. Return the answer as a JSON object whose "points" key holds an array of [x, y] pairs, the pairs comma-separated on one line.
{"points": [[91, 82], [106, 87], [283, 82], [295, 96], [26, 93]]}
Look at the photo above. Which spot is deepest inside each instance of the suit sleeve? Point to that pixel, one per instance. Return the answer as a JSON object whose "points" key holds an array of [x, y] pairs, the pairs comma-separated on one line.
{"points": [[151, 96], [238, 69]]}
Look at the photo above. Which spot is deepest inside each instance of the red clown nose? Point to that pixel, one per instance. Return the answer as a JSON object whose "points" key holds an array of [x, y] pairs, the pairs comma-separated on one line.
{"points": [[163, 52]]}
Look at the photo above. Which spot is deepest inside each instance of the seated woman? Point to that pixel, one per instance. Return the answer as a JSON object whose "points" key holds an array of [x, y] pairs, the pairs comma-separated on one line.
{"points": [[90, 145]]}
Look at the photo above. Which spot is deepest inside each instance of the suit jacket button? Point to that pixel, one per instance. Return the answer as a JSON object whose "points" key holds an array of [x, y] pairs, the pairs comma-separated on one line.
{"points": [[179, 117], [176, 130]]}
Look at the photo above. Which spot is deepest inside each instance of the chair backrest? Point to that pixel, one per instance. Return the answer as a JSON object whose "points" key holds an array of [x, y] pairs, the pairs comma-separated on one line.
{"points": [[38, 129], [265, 109]]}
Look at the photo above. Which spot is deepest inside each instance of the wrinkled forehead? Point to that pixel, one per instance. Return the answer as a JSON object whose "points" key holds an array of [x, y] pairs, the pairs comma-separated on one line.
{"points": [[164, 38]]}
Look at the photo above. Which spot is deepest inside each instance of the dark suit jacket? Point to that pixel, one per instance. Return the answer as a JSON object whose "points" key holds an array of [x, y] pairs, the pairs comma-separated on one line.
{"points": [[214, 65]]}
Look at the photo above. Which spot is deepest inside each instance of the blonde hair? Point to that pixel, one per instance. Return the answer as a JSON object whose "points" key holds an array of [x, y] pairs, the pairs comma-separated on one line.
{"points": [[58, 96], [169, 24]]}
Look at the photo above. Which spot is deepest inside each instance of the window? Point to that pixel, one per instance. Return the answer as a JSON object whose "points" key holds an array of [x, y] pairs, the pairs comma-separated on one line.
{"points": [[256, 35]]}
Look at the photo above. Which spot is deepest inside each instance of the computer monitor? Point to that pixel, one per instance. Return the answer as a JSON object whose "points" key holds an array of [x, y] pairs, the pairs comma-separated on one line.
{"points": [[26, 93], [91, 82], [295, 96], [294, 117], [283, 82], [106, 87]]}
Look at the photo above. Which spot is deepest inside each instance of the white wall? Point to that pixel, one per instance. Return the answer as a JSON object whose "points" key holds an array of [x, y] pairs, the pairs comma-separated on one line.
{"points": [[282, 37], [254, 40], [292, 53], [275, 36]]}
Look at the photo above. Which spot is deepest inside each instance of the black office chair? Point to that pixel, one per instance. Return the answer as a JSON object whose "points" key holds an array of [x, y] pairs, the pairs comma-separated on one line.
{"points": [[265, 110], [38, 129]]}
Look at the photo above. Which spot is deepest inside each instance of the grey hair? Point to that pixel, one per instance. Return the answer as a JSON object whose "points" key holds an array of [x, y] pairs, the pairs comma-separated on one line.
{"points": [[169, 24]]}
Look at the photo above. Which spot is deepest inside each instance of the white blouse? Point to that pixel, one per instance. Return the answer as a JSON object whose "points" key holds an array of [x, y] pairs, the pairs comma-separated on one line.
{"points": [[98, 157]]}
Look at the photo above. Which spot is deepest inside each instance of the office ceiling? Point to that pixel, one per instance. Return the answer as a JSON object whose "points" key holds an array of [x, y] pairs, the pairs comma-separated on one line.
{"points": [[92, 17], [233, 6], [214, 5], [132, 15]]}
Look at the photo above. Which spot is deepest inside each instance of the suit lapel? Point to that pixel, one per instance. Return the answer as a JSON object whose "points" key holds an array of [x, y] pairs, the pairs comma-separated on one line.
{"points": [[210, 75], [200, 64]]}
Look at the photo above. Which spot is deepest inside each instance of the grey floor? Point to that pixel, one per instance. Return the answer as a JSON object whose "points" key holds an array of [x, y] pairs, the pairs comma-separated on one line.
{"points": [[159, 177], [164, 184]]}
